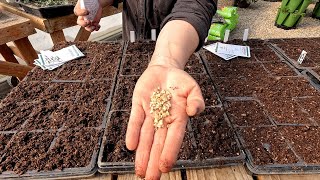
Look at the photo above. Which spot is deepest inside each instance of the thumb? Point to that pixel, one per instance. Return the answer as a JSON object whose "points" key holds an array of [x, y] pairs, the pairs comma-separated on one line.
{"points": [[78, 11], [195, 103]]}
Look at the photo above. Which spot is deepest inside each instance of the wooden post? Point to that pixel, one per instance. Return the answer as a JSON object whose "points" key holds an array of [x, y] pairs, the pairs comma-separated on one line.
{"points": [[7, 54], [26, 50], [14, 69], [57, 36]]}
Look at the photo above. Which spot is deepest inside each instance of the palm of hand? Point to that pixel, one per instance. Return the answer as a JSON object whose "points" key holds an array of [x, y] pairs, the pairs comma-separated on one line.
{"points": [[158, 149]]}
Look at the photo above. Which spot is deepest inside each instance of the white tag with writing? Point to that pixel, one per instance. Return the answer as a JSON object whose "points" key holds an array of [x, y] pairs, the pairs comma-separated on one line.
{"points": [[245, 35], [237, 50], [212, 48], [226, 35], [302, 56]]}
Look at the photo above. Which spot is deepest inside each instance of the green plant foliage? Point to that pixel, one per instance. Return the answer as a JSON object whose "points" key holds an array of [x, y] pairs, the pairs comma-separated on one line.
{"points": [[43, 3]]}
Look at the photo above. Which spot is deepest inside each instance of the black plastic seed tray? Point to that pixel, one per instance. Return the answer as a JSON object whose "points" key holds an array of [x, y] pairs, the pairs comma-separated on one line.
{"points": [[112, 150], [292, 163], [48, 12], [310, 61]]}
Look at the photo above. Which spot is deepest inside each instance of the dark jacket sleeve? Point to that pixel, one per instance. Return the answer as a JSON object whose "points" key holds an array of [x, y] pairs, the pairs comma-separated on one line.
{"points": [[116, 3], [198, 13]]}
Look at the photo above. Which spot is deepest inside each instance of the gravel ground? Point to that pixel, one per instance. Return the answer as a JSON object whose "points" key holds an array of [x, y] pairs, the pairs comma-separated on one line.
{"points": [[260, 19]]}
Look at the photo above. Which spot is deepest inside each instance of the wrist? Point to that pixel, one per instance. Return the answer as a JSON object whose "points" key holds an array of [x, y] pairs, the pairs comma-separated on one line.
{"points": [[165, 61]]}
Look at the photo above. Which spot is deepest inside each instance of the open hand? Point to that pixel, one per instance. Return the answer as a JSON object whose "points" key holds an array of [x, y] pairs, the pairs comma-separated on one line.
{"points": [[157, 150]]}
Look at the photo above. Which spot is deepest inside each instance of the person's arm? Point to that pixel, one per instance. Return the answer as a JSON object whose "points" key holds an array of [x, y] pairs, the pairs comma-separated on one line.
{"points": [[94, 25], [182, 33]]}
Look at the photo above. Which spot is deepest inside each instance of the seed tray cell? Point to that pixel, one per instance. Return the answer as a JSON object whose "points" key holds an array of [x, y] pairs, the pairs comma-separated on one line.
{"points": [[95, 91], [62, 91], [194, 65], [280, 69], [311, 106], [103, 70], [37, 74], [4, 140], [247, 113], [211, 148], [145, 47], [123, 92], [134, 64]]}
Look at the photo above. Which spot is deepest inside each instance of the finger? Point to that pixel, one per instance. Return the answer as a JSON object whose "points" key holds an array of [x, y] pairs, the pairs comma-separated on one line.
{"points": [[144, 147], [78, 11], [98, 27], [195, 103], [82, 22], [134, 126], [90, 28], [153, 171], [172, 143]]}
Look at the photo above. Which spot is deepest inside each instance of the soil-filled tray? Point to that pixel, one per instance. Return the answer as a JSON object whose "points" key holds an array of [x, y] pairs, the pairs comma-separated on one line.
{"points": [[291, 49], [52, 122], [201, 147], [281, 150], [50, 154]]}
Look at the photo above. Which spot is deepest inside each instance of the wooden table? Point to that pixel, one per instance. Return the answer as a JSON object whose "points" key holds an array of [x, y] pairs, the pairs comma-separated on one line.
{"points": [[224, 173], [55, 26], [16, 29]]}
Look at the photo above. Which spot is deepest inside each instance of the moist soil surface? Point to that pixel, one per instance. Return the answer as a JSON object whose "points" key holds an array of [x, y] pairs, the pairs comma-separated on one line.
{"points": [[246, 113], [194, 65], [62, 91], [123, 94], [135, 64], [207, 89], [115, 148], [267, 146]]}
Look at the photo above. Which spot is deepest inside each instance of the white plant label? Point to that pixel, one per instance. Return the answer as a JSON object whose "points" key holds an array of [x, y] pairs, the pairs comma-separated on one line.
{"points": [[226, 35], [236, 50], [302, 56], [245, 35], [92, 6], [132, 36], [153, 34]]}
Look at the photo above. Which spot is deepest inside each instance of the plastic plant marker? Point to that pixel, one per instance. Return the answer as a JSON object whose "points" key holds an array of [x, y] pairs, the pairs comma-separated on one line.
{"points": [[245, 34], [226, 35], [153, 34], [294, 4], [302, 56], [132, 36], [304, 6]]}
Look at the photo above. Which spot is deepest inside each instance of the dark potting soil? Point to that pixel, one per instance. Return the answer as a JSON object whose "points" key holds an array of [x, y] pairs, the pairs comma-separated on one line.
{"points": [[13, 115], [305, 142], [102, 70], [265, 55], [213, 136], [231, 70], [317, 70], [285, 111], [95, 91], [123, 94], [73, 72], [256, 43], [84, 115], [311, 105], [73, 148], [115, 148], [207, 89], [27, 151], [44, 116], [213, 59], [4, 140], [141, 47], [37, 74], [194, 65], [246, 113], [267, 146], [27, 91], [235, 87], [278, 87], [279, 69], [188, 147], [62, 91], [134, 64]]}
